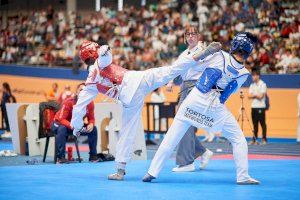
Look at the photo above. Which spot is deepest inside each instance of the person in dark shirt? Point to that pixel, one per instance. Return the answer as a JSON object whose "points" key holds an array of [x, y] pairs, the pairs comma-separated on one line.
{"points": [[7, 97], [62, 127]]}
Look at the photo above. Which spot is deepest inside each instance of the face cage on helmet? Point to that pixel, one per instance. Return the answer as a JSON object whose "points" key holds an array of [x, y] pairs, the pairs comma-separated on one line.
{"points": [[236, 47], [89, 54]]}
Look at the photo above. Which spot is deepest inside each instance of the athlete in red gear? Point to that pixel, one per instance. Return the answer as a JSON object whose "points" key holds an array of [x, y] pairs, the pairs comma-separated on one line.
{"points": [[128, 87]]}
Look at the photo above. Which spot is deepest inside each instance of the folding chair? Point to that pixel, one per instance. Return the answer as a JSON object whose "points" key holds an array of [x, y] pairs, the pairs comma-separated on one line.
{"points": [[47, 113]]}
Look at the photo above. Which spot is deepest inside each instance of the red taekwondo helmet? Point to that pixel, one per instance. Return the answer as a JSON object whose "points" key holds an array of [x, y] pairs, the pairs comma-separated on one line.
{"points": [[88, 50]]}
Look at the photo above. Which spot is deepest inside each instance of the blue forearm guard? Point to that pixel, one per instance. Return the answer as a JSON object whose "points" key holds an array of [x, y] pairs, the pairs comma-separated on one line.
{"points": [[229, 89]]}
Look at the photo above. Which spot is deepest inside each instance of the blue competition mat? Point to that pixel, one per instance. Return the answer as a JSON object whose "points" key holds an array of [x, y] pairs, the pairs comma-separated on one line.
{"points": [[280, 179]]}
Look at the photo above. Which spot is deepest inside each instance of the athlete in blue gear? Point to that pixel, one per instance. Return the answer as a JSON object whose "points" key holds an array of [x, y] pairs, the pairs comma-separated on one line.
{"points": [[204, 107]]}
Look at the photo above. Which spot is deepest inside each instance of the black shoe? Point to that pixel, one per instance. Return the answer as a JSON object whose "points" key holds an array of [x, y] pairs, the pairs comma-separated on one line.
{"points": [[105, 157], [62, 161], [94, 158], [148, 178]]}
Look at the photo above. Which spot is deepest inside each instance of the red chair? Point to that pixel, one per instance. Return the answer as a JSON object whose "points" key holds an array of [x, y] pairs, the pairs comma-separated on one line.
{"points": [[47, 113], [48, 118]]}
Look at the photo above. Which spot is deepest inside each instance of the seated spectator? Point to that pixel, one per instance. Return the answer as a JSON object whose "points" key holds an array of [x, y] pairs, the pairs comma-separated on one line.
{"points": [[285, 61], [62, 128], [294, 65], [264, 59], [49, 38], [67, 93]]}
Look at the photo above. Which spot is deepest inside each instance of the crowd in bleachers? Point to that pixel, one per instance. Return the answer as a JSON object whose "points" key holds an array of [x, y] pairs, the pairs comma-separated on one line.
{"points": [[152, 36]]}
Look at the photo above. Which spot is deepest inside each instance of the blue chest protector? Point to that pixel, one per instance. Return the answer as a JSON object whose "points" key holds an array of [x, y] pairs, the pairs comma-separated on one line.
{"points": [[208, 79]]}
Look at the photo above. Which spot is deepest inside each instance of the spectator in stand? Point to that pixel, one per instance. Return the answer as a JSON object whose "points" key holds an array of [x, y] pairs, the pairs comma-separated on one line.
{"points": [[52, 95], [50, 38], [264, 59], [294, 65], [285, 61], [67, 93]]}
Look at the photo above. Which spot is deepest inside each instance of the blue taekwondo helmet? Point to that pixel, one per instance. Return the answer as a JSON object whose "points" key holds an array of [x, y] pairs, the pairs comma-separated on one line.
{"points": [[244, 43]]}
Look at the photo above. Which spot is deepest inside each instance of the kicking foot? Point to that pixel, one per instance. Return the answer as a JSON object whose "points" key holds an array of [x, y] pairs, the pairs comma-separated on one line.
{"points": [[119, 176], [205, 158], [148, 178], [185, 168], [250, 181]]}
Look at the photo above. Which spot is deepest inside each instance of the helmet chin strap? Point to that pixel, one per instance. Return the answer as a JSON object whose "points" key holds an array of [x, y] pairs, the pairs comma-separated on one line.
{"points": [[234, 57]]}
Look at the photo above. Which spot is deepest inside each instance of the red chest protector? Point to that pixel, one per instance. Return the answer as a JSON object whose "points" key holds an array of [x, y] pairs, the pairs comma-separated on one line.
{"points": [[115, 74]]}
